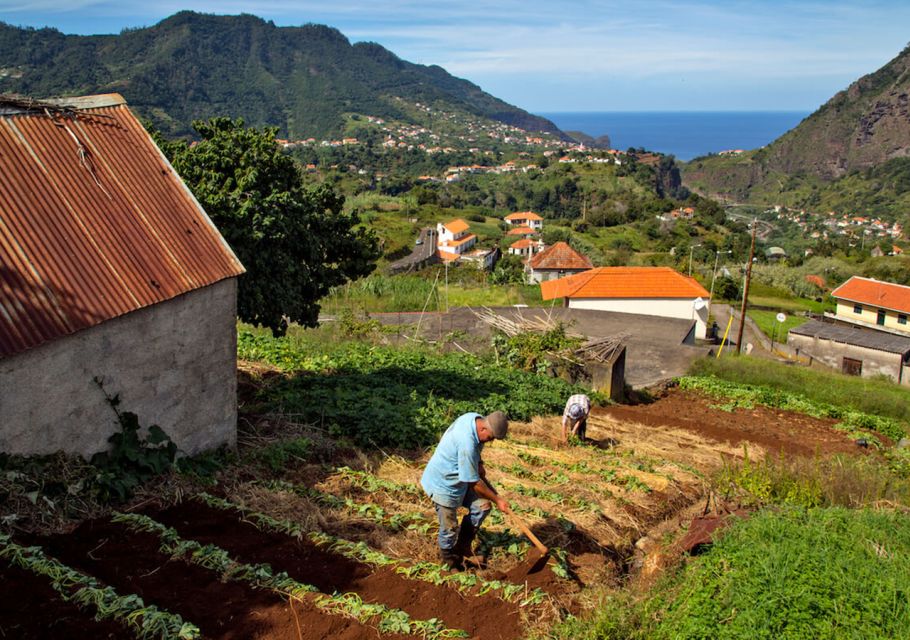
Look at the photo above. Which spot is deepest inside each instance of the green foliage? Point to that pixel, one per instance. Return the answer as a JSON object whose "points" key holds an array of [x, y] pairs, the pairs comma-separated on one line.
{"points": [[847, 481], [510, 269], [295, 242], [277, 456], [862, 402], [821, 573], [549, 352], [146, 622], [132, 459], [400, 397]]}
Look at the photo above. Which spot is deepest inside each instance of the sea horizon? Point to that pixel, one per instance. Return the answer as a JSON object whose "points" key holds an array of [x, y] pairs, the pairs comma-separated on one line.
{"points": [[683, 134]]}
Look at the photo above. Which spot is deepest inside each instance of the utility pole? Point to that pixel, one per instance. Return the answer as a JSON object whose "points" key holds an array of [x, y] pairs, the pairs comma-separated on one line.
{"points": [[742, 310], [691, 249], [714, 277]]}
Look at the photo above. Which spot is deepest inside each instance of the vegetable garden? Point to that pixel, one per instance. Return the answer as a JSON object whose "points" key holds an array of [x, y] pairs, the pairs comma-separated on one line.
{"points": [[327, 533]]}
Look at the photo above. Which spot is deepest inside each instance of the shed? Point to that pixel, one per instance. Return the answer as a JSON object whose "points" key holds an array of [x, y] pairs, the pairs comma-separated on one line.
{"points": [[555, 262], [110, 270], [854, 349]]}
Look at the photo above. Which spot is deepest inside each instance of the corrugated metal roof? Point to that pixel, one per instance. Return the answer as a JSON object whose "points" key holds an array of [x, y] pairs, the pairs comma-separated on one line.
{"points": [[94, 223], [624, 282], [854, 335]]}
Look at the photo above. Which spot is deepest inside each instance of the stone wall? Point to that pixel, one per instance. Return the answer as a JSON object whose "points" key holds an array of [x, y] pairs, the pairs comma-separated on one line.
{"points": [[173, 364], [833, 353]]}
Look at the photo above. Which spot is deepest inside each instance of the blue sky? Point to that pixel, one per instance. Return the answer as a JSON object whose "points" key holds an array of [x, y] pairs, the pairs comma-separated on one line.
{"points": [[587, 55]]}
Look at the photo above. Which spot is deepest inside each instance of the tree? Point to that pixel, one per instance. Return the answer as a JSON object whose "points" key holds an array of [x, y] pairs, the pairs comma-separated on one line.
{"points": [[509, 270], [295, 242]]}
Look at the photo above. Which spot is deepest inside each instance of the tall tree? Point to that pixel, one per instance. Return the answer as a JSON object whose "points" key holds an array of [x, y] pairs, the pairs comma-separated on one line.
{"points": [[295, 242]]}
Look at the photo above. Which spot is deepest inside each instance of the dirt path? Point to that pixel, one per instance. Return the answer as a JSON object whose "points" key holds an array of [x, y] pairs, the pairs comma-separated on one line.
{"points": [[774, 430]]}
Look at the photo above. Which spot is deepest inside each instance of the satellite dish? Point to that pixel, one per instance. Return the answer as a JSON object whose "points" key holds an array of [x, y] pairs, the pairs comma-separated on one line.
{"points": [[699, 304], [781, 317]]}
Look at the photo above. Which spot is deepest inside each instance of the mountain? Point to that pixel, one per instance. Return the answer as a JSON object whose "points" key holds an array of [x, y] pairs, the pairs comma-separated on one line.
{"points": [[192, 66], [860, 128]]}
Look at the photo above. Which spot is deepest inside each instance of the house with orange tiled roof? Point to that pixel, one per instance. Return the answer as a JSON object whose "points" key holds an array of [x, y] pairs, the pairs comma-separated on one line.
{"points": [[555, 262], [524, 219], [454, 237], [525, 248], [651, 291], [873, 303], [525, 232]]}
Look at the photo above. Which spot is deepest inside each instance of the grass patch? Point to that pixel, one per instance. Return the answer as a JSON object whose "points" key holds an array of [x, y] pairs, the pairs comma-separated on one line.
{"points": [[866, 395], [792, 573], [767, 322], [845, 481]]}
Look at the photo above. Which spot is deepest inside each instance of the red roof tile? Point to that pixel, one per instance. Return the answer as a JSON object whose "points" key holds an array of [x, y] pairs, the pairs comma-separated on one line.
{"points": [[624, 282], [85, 241], [560, 257], [875, 293]]}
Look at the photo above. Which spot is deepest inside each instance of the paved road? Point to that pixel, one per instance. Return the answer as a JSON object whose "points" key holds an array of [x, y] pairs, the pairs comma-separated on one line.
{"points": [[424, 249]]}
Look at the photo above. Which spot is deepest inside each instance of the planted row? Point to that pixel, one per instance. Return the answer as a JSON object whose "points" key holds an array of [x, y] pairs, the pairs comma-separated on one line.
{"points": [[147, 622], [214, 558], [361, 552]]}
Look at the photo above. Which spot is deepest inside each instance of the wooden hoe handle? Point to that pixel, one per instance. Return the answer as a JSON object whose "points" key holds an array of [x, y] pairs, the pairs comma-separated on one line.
{"points": [[525, 530]]}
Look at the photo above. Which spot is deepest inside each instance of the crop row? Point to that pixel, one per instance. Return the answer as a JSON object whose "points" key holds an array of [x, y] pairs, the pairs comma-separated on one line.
{"points": [[856, 423], [262, 576], [147, 622], [423, 571]]}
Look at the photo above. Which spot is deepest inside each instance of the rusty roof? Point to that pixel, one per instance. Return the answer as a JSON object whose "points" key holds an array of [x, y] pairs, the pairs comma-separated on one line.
{"points": [[94, 222], [624, 282]]}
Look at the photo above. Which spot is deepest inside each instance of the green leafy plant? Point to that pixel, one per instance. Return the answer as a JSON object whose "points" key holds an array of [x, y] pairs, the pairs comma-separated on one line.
{"points": [[147, 622], [262, 576], [132, 458]]}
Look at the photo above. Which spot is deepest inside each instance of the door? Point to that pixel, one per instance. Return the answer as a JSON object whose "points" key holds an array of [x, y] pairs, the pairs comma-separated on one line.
{"points": [[852, 367], [880, 319]]}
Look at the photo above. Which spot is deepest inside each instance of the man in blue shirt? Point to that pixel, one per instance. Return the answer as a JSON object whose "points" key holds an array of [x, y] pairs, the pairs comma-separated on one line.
{"points": [[455, 477]]}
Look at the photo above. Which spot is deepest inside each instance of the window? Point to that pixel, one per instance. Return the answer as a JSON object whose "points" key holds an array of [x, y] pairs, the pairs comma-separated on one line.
{"points": [[857, 308], [880, 318], [902, 318]]}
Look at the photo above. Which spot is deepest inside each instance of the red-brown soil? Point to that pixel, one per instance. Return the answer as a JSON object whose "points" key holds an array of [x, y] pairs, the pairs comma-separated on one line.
{"points": [[131, 563], [30, 609], [484, 617], [775, 430]]}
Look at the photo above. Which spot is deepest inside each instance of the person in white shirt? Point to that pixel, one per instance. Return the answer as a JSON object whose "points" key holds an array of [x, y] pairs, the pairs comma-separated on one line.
{"points": [[575, 416]]}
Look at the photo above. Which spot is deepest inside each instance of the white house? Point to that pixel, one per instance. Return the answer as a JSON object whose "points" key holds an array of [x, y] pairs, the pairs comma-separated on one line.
{"points": [[525, 219], [109, 270], [651, 291], [526, 247], [453, 238]]}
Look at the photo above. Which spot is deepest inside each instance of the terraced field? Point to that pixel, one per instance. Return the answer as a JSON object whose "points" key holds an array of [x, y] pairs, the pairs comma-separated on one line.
{"points": [[348, 550]]}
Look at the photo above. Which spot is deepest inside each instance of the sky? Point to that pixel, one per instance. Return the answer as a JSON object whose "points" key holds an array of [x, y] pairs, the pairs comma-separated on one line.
{"points": [[585, 55]]}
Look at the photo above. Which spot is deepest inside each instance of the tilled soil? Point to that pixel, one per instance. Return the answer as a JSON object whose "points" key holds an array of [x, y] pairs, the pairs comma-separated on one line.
{"points": [[30, 610], [130, 562], [485, 617], [774, 430]]}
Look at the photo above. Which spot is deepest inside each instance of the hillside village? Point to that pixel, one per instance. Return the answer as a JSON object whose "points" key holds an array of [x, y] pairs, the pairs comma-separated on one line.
{"points": [[230, 363]]}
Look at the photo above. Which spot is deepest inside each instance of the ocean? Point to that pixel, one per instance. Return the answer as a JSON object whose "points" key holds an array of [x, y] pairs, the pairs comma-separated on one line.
{"points": [[685, 134]]}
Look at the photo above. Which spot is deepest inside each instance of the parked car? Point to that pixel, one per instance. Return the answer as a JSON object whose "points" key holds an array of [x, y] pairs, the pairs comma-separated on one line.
{"points": [[419, 241]]}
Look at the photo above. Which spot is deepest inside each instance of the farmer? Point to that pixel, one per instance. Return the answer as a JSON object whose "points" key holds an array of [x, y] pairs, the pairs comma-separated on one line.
{"points": [[455, 477], [575, 416]]}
